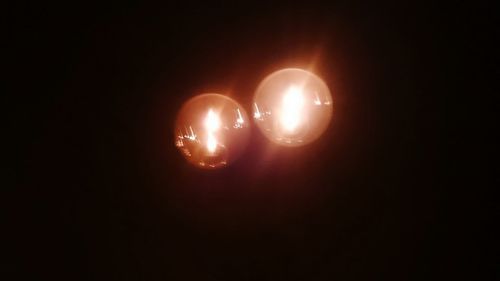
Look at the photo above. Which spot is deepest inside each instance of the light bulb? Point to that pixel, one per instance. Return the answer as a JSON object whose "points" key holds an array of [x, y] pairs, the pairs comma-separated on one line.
{"points": [[211, 130], [292, 107]]}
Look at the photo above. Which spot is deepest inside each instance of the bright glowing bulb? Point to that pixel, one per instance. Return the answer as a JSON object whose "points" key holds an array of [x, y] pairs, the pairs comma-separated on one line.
{"points": [[297, 106], [218, 130]]}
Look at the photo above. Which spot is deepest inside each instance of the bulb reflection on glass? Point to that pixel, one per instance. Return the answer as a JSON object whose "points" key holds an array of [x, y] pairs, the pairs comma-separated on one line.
{"points": [[211, 130], [292, 107]]}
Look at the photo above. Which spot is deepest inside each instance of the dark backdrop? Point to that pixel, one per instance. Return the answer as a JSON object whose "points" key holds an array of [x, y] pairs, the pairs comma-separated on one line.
{"points": [[104, 195]]}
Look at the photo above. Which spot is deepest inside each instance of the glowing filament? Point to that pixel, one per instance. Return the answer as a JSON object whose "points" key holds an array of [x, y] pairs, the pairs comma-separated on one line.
{"points": [[317, 101], [212, 124], [192, 136], [240, 118], [291, 110], [256, 114]]}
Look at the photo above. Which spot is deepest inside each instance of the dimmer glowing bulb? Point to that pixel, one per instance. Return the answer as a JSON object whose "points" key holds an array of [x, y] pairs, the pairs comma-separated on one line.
{"points": [[218, 130]]}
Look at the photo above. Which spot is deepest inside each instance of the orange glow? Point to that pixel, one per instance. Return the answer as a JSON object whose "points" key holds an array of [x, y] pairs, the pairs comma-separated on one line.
{"points": [[292, 107], [216, 130]]}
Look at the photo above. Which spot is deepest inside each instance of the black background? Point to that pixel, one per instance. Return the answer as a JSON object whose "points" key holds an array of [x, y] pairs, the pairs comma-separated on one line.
{"points": [[104, 195]]}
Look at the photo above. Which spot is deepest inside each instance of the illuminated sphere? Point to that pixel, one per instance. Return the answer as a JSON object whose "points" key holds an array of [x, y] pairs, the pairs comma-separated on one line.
{"points": [[211, 130], [292, 107]]}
